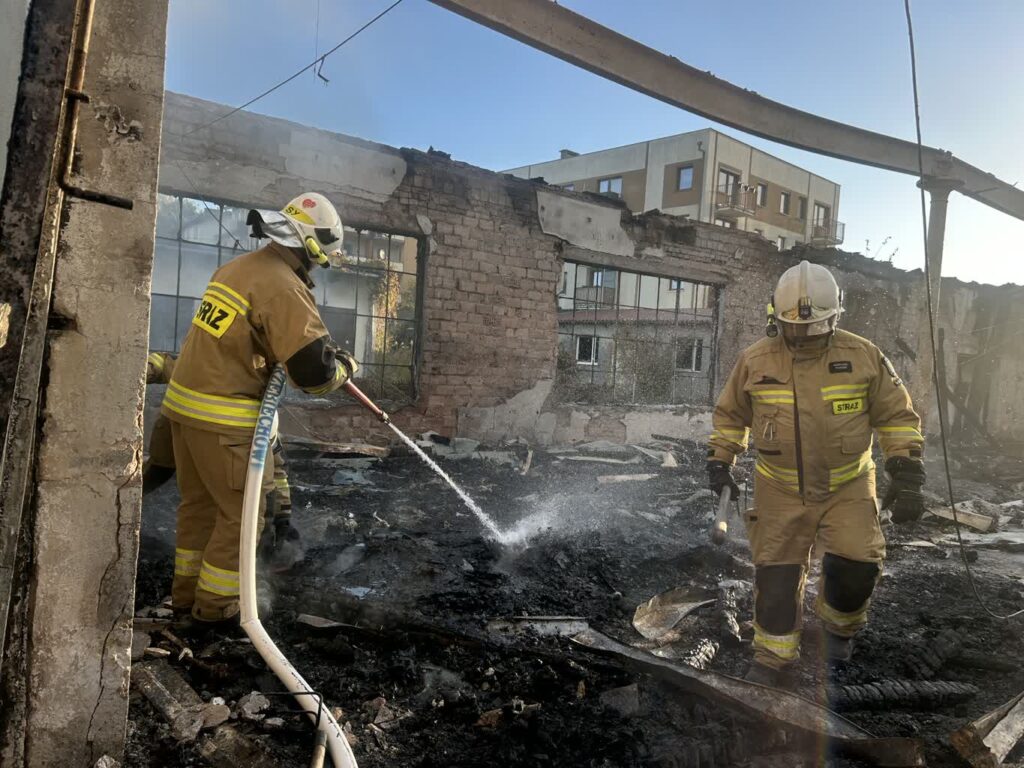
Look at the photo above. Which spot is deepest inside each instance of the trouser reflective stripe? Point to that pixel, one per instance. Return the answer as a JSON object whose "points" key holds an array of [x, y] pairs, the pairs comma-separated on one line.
{"points": [[844, 623], [219, 581], [187, 561], [785, 647]]}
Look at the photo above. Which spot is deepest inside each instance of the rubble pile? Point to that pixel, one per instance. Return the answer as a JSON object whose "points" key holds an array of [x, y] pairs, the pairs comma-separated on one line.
{"points": [[441, 648]]}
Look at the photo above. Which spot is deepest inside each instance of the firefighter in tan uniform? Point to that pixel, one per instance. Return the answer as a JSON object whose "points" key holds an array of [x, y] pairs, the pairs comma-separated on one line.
{"points": [[281, 546], [257, 311], [810, 398]]}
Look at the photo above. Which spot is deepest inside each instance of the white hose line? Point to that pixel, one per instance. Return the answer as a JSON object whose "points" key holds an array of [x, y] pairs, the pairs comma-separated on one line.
{"points": [[337, 744]]}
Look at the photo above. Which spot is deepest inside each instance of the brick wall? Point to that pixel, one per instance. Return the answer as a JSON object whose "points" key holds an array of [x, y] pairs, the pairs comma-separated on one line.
{"points": [[494, 247]]}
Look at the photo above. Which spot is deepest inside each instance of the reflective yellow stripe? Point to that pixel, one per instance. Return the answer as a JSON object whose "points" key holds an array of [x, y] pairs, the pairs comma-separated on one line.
{"points": [[738, 436], [844, 474], [325, 388], [845, 388], [217, 296], [787, 477], [187, 561], [784, 646], [780, 397], [840, 619], [218, 580], [156, 360], [281, 483], [759, 392], [236, 412], [912, 432], [231, 292]]}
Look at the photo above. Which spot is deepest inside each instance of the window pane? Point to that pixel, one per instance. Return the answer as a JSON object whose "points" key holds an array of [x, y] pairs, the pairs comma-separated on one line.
{"points": [[168, 216], [339, 287], [373, 250], [648, 293], [198, 263], [341, 324], [686, 178], [401, 342], [235, 233], [161, 323], [368, 379], [629, 283], [369, 339], [200, 222], [186, 311], [165, 266], [406, 307], [397, 383]]}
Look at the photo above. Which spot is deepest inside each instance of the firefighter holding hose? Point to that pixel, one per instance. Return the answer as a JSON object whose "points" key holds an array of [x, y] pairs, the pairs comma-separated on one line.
{"points": [[257, 311], [811, 398]]}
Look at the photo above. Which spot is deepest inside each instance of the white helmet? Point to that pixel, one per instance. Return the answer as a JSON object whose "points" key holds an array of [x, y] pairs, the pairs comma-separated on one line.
{"points": [[807, 301], [309, 221]]}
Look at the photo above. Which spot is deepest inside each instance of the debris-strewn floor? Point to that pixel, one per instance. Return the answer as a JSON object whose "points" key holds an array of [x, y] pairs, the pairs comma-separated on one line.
{"points": [[423, 681]]}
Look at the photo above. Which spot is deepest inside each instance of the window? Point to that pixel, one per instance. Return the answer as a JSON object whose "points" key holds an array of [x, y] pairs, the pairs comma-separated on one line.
{"points": [[784, 203], [633, 337], [685, 177], [822, 215], [586, 350], [728, 181], [689, 354], [803, 208], [762, 195], [759, 232], [612, 186], [569, 187], [780, 243], [370, 303], [724, 223]]}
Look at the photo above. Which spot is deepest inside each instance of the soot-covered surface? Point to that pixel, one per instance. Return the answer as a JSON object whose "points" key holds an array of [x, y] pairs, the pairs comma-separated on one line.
{"points": [[394, 551]]}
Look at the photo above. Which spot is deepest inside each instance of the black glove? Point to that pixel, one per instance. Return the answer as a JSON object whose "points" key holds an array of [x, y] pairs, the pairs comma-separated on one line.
{"points": [[904, 497], [720, 477]]}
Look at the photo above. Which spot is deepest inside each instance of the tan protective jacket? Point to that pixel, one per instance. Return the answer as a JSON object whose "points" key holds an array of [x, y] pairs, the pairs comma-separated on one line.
{"points": [[811, 414], [257, 311]]}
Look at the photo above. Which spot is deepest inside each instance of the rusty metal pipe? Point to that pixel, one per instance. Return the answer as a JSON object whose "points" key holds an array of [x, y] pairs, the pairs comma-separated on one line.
{"points": [[75, 95]]}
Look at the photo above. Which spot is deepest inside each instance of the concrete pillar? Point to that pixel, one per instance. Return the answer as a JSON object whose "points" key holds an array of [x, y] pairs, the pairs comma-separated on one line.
{"points": [[85, 515]]}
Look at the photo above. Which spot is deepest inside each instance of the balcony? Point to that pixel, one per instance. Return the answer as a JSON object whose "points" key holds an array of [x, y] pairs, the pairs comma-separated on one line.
{"points": [[828, 232], [733, 201]]}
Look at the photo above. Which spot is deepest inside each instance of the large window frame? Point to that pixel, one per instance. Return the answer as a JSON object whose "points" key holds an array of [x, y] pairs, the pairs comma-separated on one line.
{"points": [[623, 337]]}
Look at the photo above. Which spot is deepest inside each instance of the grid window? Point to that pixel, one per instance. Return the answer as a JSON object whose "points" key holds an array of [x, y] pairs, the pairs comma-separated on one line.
{"points": [[686, 177], [370, 302], [627, 337], [612, 186]]}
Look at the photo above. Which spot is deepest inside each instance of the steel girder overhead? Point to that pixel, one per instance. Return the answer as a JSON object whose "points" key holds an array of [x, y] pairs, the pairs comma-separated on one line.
{"points": [[549, 27]]}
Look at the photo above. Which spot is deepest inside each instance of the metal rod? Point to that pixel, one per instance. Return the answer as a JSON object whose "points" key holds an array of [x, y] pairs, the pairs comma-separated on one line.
{"points": [[357, 393]]}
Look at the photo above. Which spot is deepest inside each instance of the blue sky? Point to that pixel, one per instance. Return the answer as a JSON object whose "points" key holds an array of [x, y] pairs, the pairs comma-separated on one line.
{"points": [[424, 77]]}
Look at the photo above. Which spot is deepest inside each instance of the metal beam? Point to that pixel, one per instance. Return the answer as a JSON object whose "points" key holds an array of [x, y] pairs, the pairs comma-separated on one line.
{"points": [[554, 29]]}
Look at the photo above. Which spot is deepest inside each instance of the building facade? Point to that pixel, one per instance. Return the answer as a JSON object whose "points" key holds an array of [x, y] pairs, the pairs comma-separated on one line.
{"points": [[708, 177]]}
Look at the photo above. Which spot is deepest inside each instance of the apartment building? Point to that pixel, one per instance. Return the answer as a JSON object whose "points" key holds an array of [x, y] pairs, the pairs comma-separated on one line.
{"points": [[710, 177]]}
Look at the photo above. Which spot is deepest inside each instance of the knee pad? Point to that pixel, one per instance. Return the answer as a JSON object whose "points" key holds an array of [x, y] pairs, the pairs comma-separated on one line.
{"points": [[848, 584], [777, 595]]}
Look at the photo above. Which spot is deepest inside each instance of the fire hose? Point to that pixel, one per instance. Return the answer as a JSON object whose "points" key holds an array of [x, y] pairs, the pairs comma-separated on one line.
{"points": [[337, 745]]}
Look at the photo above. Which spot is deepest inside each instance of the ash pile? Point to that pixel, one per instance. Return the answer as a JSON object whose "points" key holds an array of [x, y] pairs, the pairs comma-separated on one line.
{"points": [[595, 637]]}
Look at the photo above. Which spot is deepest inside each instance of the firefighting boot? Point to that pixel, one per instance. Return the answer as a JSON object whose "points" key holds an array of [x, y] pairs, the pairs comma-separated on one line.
{"points": [[762, 674]]}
